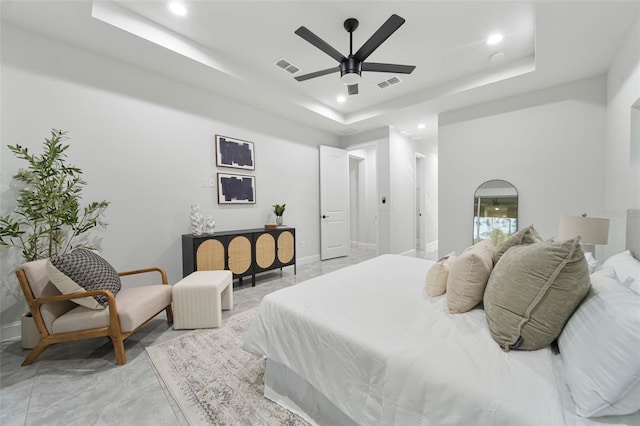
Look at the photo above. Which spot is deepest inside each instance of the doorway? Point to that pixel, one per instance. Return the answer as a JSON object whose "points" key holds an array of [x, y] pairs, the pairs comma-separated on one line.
{"points": [[363, 215], [420, 216]]}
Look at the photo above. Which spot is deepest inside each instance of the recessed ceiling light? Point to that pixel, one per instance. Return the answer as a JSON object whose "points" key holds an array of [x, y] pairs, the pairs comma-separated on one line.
{"points": [[421, 126], [341, 98], [494, 38], [178, 8]]}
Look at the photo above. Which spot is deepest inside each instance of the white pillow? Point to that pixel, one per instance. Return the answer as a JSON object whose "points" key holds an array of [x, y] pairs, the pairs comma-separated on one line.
{"points": [[624, 264], [603, 271], [633, 283], [599, 346], [592, 263]]}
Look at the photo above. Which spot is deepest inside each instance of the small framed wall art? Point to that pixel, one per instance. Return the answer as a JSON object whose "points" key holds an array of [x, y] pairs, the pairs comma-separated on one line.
{"points": [[234, 153], [236, 189]]}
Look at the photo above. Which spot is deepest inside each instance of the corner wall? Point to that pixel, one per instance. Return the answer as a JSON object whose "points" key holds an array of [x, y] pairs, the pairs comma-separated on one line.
{"points": [[146, 144], [549, 144], [622, 179]]}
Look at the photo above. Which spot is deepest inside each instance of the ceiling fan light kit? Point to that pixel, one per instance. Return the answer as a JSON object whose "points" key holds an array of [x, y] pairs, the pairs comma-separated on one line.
{"points": [[350, 71], [351, 67]]}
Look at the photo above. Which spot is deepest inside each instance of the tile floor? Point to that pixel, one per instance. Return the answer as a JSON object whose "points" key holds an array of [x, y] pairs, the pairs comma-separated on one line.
{"points": [[79, 384]]}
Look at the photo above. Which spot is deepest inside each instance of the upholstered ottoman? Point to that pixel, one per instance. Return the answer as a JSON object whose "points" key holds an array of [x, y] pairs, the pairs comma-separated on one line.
{"points": [[200, 297]]}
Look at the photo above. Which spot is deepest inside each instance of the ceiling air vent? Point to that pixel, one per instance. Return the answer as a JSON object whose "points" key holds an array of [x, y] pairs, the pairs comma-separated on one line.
{"points": [[350, 131], [390, 82], [287, 66]]}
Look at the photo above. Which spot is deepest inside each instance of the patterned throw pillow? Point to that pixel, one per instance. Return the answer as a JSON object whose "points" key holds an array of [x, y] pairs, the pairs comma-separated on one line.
{"points": [[83, 270]]}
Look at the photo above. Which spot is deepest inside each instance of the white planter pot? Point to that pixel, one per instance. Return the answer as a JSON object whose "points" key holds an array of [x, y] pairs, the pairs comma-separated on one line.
{"points": [[30, 333]]}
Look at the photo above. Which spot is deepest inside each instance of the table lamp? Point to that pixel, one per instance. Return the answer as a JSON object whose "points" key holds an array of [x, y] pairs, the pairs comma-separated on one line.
{"points": [[592, 231]]}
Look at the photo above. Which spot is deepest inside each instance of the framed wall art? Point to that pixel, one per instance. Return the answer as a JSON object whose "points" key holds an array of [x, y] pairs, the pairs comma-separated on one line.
{"points": [[236, 189], [234, 153]]}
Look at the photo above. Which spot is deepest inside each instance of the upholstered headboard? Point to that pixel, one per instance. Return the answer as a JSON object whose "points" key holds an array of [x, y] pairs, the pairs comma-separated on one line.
{"points": [[633, 232]]}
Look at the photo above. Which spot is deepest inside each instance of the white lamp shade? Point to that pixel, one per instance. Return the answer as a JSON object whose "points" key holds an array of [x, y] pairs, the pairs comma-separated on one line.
{"points": [[592, 230]]}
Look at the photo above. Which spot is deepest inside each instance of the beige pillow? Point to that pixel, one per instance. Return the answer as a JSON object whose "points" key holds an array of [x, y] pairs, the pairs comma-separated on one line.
{"points": [[468, 277], [436, 283], [533, 291], [527, 235]]}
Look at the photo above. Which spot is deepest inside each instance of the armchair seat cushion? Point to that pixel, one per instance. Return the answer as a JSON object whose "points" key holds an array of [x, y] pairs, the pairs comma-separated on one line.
{"points": [[135, 306]]}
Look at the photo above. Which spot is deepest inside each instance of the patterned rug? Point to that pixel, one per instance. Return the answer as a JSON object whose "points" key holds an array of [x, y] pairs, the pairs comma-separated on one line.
{"points": [[214, 381]]}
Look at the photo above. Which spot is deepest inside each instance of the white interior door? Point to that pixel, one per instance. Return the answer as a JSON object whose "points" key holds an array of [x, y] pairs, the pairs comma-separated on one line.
{"points": [[334, 202], [421, 202]]}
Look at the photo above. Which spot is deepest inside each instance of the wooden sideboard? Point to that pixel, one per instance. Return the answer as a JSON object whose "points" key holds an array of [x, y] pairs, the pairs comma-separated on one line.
{"points": [[244, 252]]}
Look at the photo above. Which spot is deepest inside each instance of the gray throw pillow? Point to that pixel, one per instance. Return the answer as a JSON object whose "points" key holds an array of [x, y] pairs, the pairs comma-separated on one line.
{"points": [[533, 291], [528, 235], [83, 270]]}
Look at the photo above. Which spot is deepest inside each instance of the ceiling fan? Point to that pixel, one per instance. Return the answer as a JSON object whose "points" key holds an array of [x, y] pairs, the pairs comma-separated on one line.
{"points": [[351, 67]]}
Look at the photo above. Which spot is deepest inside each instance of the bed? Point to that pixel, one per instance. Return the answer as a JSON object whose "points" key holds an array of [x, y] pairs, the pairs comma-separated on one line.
{"points": [[364, 346]]}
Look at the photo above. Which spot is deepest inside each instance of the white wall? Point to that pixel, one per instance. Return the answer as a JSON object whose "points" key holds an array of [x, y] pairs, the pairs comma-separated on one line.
{"points": [[144, 143], [549, 144], [622, 179]]}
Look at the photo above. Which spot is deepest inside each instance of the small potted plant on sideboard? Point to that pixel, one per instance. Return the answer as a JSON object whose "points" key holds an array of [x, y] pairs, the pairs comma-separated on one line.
{"points": [[278, 209]]}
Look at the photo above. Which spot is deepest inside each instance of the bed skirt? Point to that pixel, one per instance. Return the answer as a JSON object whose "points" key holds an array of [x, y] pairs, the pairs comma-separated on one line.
{"points": [[289, 390]]}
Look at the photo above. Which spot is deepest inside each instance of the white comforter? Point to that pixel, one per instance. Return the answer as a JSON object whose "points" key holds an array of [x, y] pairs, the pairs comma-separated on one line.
{"points": [[383, 352]]}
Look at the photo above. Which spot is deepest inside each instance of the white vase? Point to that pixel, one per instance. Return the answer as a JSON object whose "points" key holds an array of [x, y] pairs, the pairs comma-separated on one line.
{"points": [[209, 225], [197, 221], [279, 220]]}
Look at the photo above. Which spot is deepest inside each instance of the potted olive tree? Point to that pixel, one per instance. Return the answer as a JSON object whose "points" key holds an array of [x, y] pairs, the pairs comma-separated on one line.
{"points": [[48, 219]]}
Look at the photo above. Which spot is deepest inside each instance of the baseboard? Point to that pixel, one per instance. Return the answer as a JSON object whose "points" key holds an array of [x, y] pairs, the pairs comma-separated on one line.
{"points": [[432, 246], [308, 259], [358, 244], [411, 253], [11, 331]]}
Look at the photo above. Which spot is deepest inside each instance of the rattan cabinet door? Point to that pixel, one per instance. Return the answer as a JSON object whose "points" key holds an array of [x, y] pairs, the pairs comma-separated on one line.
{"points": [[286, 244], [265, 251], [210, 256], [239, 253]]}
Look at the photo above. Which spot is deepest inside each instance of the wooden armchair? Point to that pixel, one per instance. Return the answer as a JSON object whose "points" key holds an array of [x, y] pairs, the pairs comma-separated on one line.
{"points": [[60, 320]]}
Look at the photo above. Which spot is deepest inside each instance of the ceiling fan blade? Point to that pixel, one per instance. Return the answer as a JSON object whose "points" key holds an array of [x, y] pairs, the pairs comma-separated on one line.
{"points": [[353, 89], [394, 68], [383, 33], [317, 74], [320, 44]]}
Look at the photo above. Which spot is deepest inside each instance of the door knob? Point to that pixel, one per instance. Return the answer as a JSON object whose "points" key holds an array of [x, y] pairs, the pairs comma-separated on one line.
{"points": [[324, 216]]}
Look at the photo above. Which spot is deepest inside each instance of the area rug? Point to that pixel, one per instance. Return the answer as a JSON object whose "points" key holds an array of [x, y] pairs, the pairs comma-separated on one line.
{"points": [[214, 381]]}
